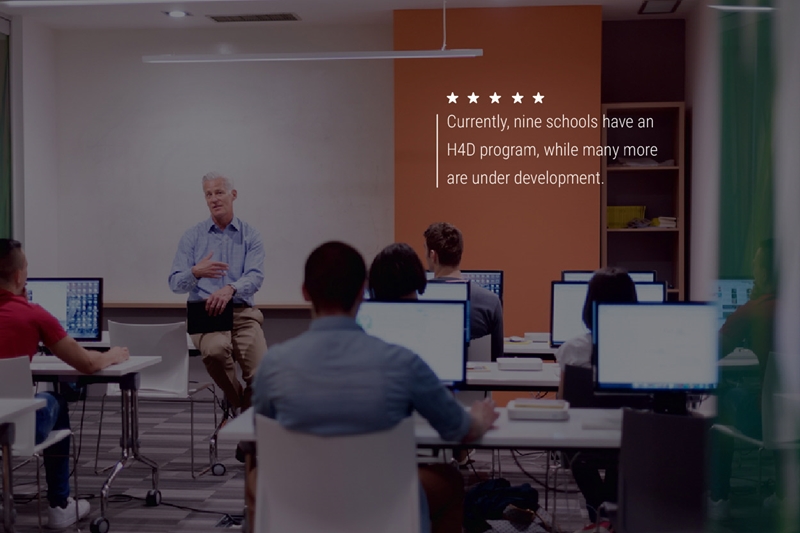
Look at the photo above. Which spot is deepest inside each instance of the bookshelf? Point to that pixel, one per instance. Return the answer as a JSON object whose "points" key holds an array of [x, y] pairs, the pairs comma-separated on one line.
{"points": [[661, 189]]}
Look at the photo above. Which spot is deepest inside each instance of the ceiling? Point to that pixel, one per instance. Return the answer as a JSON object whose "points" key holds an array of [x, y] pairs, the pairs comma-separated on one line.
{"points": [[147, 14]]}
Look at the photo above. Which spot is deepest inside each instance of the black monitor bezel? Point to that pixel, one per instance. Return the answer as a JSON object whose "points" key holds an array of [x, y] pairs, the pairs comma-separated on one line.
{"points": [[630, 390], [452, 384], [502, 279], [99, 306], [592, 272]]}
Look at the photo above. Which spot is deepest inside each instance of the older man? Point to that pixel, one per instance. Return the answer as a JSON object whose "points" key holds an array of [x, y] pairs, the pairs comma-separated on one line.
{"points": [[219, 260]]}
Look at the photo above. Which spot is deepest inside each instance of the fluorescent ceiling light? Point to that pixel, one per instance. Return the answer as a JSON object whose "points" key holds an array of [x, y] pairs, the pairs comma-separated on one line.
{"points": [[741, 9], [313, 56], [58, 3]]}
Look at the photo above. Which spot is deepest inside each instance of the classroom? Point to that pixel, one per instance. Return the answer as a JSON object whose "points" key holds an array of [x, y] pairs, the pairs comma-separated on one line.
{"points": [[559, 137]]}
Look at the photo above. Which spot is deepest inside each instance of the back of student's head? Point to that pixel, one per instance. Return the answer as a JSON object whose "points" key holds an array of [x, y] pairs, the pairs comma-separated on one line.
{"points": [[446, 240], [396, 273], [10, 259], [608, 285], [334, 276]]}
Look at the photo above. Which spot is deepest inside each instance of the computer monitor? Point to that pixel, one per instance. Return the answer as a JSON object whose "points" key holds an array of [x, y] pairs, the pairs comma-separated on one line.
{"points": [[450, 291], [428, 275], [670, 347], [730, 294], [432, 330], [586, 275], [491, 280], [77, 303], [446, 291], [566, 307], [651, 292]]}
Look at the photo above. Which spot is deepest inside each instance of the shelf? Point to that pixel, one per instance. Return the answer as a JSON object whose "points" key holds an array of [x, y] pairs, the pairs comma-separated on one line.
{"points": [[641, 230], [613, 168]]}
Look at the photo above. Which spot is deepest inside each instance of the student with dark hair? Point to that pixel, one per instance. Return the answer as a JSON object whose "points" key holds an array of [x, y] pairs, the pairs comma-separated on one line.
{"points": [[22, 326], [335, 354], [444, 246], [396, 274], [608, 285]]}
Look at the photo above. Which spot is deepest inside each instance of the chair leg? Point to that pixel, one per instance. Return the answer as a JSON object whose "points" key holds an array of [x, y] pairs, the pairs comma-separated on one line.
{"points": [[38, 494], [99, 433], [191, 434], [75, 476]]}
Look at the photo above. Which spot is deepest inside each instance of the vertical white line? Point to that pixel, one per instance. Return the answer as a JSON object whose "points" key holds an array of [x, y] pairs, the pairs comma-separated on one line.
{"points": [[437, 150]]}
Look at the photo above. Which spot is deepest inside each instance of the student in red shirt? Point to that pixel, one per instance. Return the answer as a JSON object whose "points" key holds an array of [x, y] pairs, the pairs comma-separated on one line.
{"points": [[22, 326]]}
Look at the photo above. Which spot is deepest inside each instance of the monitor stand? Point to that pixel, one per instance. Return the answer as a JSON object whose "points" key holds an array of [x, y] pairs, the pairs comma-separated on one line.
{"points": [[670, 403]]}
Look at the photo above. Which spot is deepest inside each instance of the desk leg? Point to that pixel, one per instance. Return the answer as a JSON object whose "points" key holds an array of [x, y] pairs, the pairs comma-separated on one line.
{"points": [[8, 494], [135, 441]]}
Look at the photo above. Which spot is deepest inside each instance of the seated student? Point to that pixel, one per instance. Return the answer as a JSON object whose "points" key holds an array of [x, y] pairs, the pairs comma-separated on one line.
{"points": [[444, 246], [335, 353], [397, 274], [608, 285], [739, 404], [22, 326]]}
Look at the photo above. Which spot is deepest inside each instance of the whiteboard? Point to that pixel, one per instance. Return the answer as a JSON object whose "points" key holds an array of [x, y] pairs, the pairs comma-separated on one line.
{"points": [[309, 147]]}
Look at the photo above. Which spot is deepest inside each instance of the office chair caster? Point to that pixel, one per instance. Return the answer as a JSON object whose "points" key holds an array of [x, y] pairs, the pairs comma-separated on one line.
{"points": [[218, 469], [99, 525], [153, 498]]}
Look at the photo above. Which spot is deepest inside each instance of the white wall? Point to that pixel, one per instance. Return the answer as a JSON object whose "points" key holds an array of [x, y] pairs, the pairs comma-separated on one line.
{"points": [[35, 162], [309, 145], [703, 102]]}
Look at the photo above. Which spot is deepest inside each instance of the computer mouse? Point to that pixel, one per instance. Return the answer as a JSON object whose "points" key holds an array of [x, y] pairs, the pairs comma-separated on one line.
{"points": [[516, 339]]}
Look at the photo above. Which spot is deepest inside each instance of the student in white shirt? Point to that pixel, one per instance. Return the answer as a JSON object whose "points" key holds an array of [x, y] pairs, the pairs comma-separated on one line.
{"points": [[608, 285]]}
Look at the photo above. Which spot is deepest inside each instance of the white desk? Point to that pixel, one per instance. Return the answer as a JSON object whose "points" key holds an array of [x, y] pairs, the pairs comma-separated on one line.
{"points": [[105, 343], [10, 410], [516, 434], [546, 379], [529, 348], [50, 368]]}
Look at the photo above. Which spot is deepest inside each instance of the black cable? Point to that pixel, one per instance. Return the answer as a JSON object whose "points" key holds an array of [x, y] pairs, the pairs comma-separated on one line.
{"points": [[514, 454], [125, 498]]}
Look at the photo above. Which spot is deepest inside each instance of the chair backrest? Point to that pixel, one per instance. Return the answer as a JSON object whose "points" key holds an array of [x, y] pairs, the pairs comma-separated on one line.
{"points": [[16, 382], [480, 349], [171, 375], [579, 392], [662, 483], [343, 484]]}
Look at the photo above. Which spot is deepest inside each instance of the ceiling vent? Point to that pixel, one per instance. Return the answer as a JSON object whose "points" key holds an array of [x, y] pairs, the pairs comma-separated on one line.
{"points": [[269, 17]]}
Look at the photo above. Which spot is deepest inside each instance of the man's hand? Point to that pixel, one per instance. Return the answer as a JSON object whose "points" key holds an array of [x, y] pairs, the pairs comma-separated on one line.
{"points": [[483, 415], [218, 300], [118, 355], [207, 268]]}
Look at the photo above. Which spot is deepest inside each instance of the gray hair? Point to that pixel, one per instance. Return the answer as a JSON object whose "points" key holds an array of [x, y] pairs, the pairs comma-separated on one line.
{"points": [[215, 176]]}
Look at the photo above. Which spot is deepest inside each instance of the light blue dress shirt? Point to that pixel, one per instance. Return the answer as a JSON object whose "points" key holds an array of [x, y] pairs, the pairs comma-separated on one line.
{"points": [[335, 379], [239, 245]]}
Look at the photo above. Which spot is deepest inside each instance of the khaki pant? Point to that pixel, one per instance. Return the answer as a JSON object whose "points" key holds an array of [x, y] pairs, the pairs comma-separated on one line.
{"points": [[245, 345]]}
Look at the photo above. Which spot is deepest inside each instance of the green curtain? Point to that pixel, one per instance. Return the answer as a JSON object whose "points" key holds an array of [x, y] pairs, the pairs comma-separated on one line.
{"points": [[747, 78], [5, 140]]}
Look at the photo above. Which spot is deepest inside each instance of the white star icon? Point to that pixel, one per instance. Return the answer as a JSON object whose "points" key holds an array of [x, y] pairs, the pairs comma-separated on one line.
{"points": [[517, 98], [495, 98], [473, 98], [538, 98], [452, 98]]}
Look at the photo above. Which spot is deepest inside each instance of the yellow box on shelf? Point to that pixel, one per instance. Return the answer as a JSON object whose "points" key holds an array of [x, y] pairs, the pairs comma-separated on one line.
{"points": [[618, 216]]}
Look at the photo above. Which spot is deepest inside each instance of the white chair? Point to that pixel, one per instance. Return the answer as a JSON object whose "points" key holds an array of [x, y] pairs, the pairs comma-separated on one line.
{"points": [[166, 381], [16, 381], [344, 484]]}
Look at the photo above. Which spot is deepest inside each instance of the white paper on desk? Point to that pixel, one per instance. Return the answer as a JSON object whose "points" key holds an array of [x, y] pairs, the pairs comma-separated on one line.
{"points": [[473, 367], [605, 421]]}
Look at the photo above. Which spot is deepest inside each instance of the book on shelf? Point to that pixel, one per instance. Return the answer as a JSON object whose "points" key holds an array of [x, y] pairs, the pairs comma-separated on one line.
{"points": [[665, 222]]}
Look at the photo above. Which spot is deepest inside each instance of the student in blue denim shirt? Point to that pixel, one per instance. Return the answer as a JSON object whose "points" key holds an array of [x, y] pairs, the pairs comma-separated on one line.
{"points": [[337, 380]]}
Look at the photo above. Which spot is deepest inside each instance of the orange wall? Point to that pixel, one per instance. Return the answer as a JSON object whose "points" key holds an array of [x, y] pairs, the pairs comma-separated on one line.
{"points": [[532, 232]]}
